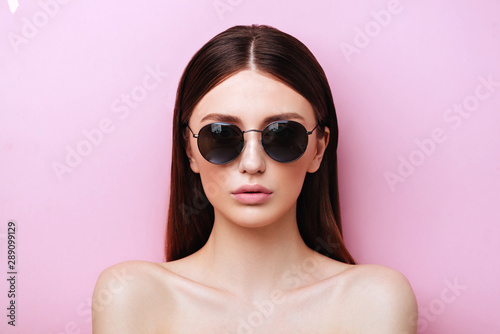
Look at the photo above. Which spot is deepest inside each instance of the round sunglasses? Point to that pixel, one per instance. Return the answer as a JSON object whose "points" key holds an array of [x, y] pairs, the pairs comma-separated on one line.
{"points": [[283, 141]]}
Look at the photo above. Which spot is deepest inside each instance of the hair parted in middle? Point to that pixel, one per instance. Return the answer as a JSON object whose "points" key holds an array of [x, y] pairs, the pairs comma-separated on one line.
{"points": [[268, 51]]}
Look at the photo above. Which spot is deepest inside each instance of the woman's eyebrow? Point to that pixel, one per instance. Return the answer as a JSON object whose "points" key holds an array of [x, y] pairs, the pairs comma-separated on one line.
{"points": [[234, 119], [283, 117], [221, 118]]}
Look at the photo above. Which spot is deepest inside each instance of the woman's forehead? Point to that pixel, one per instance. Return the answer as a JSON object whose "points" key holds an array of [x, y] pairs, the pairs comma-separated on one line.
{"points": [[249, 96]]}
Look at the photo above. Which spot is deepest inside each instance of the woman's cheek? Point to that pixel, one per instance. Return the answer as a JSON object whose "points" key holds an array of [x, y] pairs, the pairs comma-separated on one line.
{"points": [[216, 180]]}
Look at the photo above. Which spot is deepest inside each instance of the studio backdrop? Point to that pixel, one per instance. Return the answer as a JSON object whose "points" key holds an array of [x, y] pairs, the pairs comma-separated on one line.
{"points": [[87, 90]]}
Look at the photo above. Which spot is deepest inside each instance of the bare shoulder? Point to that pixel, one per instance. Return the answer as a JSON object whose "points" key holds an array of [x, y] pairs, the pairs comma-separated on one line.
{"points": [[378, 276], [382, 297], [126, 295]]}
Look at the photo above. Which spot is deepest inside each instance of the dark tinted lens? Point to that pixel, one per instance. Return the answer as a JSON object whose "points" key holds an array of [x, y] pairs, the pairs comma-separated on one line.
{"points": [[285, 141], [220, 143]]}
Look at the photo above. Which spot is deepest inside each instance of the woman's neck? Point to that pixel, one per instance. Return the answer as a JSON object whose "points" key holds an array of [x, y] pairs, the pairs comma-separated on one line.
{"points": [[250, 262]]}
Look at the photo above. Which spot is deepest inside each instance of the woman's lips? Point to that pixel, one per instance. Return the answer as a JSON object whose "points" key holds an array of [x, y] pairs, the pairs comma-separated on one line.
{"points": [[252, 194]]}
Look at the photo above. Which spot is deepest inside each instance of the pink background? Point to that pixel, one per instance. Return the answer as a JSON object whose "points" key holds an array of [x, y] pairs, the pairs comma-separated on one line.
{"points": [[397, 77]]}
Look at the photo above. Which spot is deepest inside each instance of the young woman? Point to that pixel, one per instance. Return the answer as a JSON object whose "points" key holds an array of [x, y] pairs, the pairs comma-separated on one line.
{"points": [[254, 239]]}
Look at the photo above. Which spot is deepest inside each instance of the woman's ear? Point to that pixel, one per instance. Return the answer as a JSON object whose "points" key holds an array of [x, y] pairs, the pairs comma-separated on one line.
{"points": [[321, 145], [192, 161]]}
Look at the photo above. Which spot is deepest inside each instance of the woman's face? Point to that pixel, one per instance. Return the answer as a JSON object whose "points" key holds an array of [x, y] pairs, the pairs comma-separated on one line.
{"points": [[254, 190]]}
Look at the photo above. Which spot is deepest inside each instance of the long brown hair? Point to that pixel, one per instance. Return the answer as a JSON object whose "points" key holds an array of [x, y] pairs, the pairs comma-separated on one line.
{"points": [[267, 50]]}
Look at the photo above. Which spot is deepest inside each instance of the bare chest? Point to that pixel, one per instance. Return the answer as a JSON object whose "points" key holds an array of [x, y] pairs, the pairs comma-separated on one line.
{"points": [[314, 310]]}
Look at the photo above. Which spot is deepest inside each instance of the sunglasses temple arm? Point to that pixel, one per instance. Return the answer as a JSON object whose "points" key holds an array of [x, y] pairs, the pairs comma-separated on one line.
{"points": [[194, 135], [310, 132]]}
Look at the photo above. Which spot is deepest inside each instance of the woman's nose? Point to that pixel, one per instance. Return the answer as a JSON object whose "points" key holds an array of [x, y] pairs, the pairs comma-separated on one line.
{"points": [[252, 158]]}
